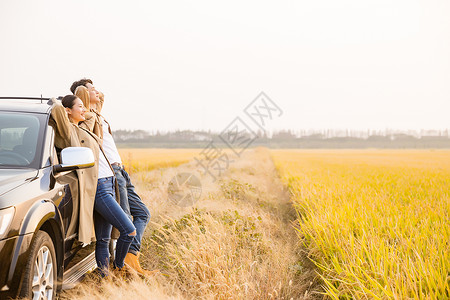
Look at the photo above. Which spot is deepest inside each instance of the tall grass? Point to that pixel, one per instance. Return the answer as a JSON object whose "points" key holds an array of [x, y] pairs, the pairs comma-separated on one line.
{"points": [[223, 255], [376, 222], [235, 243]]}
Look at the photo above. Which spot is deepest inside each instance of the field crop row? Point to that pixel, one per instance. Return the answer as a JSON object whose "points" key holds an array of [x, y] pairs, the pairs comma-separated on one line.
{"points": [[376, 223], [141, 160]]}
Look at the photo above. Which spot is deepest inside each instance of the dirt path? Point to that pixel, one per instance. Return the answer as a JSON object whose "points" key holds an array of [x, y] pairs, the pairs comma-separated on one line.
{"points": [[236, 242]]}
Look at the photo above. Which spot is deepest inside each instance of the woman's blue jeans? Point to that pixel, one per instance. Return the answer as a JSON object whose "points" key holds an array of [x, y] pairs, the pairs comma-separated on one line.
{"points": [[108, 213]]}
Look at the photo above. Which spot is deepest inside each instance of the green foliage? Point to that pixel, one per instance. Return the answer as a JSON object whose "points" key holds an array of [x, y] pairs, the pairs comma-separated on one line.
{"points": [[235, 190], [245, 230]]}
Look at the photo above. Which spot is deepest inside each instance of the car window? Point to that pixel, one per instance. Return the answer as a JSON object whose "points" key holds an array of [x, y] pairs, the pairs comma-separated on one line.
{"points": [[18, 139]]}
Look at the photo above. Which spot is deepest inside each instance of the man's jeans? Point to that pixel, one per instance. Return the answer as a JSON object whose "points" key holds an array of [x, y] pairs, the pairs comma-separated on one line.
{"points": [[133, 206], [108, 213]]}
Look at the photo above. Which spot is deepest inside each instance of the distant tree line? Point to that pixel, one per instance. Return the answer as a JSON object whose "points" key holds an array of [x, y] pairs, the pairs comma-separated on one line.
{"points": [[290, 139]]}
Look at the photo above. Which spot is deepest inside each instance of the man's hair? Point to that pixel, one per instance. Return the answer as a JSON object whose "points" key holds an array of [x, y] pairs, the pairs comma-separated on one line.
{"points": [[82, 82]]}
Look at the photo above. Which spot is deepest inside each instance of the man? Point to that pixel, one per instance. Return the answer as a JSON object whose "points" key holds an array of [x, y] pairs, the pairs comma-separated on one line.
{"points": [[130, 201]]}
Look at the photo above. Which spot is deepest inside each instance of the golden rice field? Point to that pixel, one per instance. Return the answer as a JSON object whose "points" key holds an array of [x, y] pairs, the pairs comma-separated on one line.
{"points": [[143, 159], [376, 222]]}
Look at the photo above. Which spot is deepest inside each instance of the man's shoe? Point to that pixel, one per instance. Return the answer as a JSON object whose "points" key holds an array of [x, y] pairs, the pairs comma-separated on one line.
{"points": [[133, 262]]}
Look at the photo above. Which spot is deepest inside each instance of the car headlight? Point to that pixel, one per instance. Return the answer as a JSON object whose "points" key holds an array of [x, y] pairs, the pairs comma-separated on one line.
{"points": [[6, 216]]}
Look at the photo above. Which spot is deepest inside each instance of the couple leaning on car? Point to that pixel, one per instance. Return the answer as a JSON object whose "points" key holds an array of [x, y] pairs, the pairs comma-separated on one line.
{"points": [[104, 195]]}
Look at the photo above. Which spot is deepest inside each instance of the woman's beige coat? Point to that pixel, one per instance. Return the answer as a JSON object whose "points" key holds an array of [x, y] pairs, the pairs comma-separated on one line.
{"points": [[68, 134]]}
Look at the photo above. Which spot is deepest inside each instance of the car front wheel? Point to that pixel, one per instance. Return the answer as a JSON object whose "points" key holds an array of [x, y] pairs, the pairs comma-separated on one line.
{"points": [[40, 272]]}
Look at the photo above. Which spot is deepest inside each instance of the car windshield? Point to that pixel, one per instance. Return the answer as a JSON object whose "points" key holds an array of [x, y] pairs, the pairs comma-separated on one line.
{"points": [[19, 134]]}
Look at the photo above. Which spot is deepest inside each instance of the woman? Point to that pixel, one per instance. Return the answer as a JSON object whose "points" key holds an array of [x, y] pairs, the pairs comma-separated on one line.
{"points": [[96, 201]]}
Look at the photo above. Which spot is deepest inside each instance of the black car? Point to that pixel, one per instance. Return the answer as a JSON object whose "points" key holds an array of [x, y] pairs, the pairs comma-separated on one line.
{"points": [[37, 258]]}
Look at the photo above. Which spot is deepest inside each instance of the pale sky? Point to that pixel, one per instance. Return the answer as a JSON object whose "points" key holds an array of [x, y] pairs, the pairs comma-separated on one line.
{"points": [[166, 65]]}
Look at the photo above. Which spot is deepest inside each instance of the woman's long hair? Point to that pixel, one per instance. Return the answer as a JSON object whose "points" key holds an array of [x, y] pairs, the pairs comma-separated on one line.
{"points": [[83, 93]]}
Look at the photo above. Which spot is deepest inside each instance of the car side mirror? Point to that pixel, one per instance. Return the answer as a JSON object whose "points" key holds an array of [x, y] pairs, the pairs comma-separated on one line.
{"points": [[73, 158]]}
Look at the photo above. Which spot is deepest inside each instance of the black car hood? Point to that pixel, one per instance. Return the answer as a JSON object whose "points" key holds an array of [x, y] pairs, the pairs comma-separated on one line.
{"points": [[12, 178]]}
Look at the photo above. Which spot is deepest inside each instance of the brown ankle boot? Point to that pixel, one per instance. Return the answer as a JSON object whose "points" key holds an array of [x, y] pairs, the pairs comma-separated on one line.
{"points": [[133, 262]]}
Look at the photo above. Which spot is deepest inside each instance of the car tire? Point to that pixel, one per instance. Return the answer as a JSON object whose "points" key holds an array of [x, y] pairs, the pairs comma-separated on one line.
{"points": [[39, 280]]}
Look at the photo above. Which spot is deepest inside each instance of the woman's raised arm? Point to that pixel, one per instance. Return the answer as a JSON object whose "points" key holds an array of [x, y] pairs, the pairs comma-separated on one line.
{"points": [[61, 124]]}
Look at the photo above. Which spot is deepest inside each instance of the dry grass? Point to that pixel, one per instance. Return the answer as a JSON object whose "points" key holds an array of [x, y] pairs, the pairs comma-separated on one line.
{"points": [[236, 242], [376, 222], [119, 288]]}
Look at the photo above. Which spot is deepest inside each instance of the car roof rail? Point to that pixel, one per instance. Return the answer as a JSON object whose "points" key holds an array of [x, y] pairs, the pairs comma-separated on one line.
{"points": [[30, 98]]}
